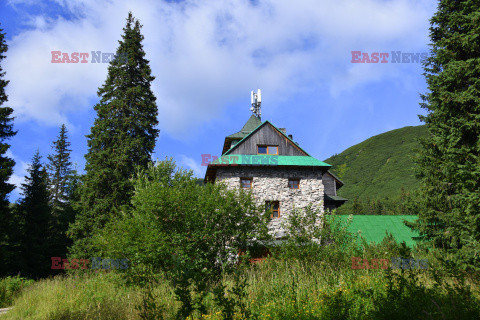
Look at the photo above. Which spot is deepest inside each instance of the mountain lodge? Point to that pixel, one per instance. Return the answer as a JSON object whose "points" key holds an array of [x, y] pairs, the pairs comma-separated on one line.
{"points": [[280, 173]]}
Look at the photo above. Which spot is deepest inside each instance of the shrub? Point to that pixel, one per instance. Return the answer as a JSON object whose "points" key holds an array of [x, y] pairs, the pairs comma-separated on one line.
{"points": [[273, 289], [187, 232], [10, 287], [309, 238]]}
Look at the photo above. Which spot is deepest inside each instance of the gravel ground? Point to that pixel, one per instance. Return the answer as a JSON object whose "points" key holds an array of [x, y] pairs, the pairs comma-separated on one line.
{"points": [[4, 310]]}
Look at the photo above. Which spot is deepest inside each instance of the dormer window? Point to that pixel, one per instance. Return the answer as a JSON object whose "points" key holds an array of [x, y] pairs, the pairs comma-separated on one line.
{"points": [[233, 143], [267, 149]]}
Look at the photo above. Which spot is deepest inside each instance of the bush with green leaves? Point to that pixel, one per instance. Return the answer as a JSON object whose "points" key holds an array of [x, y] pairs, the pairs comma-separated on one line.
{"points": [[189, 233], [273, 289], [10, 287], [312, 236]]}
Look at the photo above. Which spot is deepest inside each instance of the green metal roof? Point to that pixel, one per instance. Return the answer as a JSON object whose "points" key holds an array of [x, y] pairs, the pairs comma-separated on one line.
{"points": [[268, 160], [238, 135], [373, 228], [335, 198], [243, 135], [252, 123]]}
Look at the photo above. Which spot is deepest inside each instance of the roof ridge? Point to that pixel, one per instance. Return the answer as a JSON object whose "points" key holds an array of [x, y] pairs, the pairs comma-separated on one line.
{"points": [[261, 124], [285, 135], [252, 121], [281, 132]]}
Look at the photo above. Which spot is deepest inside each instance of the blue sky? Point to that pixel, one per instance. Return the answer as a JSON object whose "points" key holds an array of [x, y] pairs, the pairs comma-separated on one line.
{"points": [[207, 56]]}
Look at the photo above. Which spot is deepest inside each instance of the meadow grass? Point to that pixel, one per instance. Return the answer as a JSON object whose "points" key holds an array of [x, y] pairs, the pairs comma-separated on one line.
{"points": [[10, 287], [277, 289], [88, 296]]}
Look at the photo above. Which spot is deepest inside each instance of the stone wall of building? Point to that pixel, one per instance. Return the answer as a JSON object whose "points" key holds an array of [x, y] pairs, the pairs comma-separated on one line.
{"points": [[271, 184]]}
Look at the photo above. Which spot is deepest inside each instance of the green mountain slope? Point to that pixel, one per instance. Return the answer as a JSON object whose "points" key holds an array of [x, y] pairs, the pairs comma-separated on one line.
{"points": [[380, 166]]}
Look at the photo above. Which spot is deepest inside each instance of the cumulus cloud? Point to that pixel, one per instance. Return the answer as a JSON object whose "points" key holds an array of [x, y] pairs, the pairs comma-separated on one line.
{"points": [[20, 171], [207, 54], [190, 163]]}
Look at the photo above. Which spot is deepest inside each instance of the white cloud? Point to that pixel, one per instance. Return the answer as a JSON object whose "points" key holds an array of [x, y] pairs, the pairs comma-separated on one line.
{"points": [[16, 180], [207, 54], [191, 164], [20, 170]]}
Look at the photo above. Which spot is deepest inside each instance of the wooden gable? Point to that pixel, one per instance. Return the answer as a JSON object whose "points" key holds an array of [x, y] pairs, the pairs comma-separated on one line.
{"points": [[267, 134]]}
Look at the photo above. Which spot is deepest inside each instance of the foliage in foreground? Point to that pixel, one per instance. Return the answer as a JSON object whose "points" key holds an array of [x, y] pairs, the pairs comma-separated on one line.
{"points": [[314, 283], [275, 289], [311, 239], [10, 287], [189, 233]]}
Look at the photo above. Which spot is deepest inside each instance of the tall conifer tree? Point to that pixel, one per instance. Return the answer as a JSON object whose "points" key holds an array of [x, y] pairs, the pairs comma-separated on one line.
{"points": [[33, 220], [6, 164], [122, 137], [449, 163], [59, 169], [61, 176]]}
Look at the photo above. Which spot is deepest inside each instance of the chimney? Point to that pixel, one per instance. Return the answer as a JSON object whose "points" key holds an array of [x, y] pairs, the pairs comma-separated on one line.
{"points": [[283, 130], [290, 136]]}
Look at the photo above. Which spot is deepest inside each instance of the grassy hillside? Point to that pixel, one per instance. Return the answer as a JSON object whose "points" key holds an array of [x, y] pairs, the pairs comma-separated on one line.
{"points": [[379, 166]]}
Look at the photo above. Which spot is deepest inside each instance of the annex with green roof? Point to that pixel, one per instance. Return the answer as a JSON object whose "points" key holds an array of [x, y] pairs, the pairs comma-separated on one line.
{"points": [[373, 228]]}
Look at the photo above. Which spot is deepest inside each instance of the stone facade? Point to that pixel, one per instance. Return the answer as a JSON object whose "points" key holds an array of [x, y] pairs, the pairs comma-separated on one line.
{"points": [[271, 184]]}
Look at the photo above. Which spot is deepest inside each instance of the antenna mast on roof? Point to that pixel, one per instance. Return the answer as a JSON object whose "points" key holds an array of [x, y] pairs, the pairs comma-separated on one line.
{"points": [[256, 101]]}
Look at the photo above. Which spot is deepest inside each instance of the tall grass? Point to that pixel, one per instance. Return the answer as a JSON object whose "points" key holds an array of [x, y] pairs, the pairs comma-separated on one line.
{"points": [[81, 296], [292, 290], [277, 289], [10, 287]]}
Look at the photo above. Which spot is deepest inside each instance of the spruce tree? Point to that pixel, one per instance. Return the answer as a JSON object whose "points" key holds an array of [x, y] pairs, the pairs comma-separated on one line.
{"points": [[33, 219], [60, 174], [122, 137], [449, 162], [59, 170], [6, 165]]}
